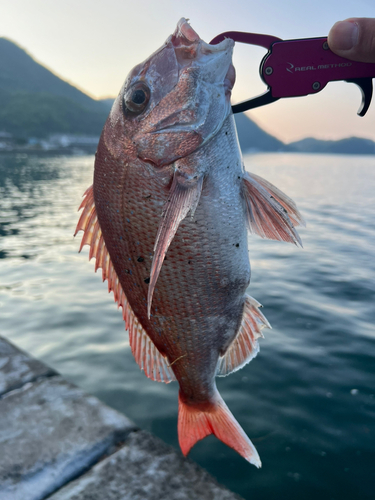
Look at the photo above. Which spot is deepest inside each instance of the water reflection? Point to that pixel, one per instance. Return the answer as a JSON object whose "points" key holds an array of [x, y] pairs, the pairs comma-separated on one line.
{"points": [[307, 400]]}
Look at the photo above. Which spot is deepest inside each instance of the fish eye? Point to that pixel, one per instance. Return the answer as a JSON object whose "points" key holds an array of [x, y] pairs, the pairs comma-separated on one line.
{"points": [[137, 97]]}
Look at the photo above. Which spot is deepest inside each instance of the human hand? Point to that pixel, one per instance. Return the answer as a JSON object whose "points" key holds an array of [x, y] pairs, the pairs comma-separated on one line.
{"points": [[354, 39]]}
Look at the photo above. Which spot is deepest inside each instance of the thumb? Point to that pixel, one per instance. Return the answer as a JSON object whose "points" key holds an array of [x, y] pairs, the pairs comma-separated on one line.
{"points": [[354, 39]]}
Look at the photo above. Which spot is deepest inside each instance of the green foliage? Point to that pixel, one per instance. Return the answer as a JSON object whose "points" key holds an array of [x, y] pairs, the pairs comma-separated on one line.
{"points": [[26, 114]]}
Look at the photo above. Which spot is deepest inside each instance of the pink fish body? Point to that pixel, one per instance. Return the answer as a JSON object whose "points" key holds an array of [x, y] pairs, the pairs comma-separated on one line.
{"points": [[167, 220]]}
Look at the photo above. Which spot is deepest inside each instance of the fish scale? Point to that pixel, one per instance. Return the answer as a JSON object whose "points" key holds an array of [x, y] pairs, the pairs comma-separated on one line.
{"points": [[184, 291]]}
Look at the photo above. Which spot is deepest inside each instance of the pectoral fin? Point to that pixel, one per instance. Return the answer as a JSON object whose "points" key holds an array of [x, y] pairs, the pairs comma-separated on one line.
{"points": [[271, 214], [183, 197]]}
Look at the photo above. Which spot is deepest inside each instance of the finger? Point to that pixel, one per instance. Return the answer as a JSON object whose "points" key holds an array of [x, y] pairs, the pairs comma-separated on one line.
{"points": [[354, 39]]}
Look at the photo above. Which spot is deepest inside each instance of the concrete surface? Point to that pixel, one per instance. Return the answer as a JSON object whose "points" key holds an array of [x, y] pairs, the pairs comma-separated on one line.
{"points": [[50, 431], [17, 368], [56, 440], [145, 468]]}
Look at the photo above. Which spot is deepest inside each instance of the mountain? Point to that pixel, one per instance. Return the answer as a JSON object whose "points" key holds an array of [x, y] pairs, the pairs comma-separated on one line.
{"points": [[20, 72], [253, 138], [35, 102], [351, 145]]}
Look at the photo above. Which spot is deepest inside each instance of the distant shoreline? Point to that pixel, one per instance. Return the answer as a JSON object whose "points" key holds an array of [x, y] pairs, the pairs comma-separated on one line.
{"points": [[52, 151], [81, 151]]}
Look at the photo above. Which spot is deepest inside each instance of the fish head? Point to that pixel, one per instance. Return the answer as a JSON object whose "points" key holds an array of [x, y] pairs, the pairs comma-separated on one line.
{"points": [[175, 101]]}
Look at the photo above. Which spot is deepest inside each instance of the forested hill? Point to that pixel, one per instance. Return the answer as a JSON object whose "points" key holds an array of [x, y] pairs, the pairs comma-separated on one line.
{"points": [[35, 102], [20, 72]]}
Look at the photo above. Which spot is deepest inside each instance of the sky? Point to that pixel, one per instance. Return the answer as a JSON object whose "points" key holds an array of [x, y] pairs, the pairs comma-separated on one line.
{"points": [[93, 44]]}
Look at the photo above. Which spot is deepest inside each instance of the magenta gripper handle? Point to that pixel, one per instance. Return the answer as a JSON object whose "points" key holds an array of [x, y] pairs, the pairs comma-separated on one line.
{"points": [[300, 67]]}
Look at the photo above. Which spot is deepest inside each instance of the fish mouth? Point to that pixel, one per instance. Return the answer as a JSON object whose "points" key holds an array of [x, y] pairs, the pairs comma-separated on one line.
{"points": [[191, 50], [184, 33]]}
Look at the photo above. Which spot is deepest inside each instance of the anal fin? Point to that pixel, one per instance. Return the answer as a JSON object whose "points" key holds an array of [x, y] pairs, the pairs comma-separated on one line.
{"points": [[149, 359], [244, 346], [147, 356]]}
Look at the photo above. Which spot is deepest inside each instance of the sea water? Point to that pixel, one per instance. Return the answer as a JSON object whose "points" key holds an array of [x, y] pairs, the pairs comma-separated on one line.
{"points": [[307, 401]]}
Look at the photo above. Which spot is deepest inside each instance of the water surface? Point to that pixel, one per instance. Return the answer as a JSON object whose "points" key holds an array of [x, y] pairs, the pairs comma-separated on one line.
{"points": [[307, 401]]}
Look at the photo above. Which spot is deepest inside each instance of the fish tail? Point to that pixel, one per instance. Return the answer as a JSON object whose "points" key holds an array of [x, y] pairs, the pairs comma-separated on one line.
{"points": [[195, 423]]}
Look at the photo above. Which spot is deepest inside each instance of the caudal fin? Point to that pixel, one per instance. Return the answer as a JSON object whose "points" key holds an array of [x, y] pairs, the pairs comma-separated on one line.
{"points": [[195, 424]]}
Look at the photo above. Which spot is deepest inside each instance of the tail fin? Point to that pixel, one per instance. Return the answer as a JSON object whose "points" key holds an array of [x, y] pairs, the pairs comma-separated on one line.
{"points": [[195, 424]]}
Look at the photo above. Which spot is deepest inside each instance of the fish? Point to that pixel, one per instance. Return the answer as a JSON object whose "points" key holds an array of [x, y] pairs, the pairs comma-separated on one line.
{"points": [[167, 220]]}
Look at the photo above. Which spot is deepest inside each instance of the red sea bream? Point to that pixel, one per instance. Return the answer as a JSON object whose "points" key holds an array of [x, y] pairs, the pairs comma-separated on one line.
{"points": [[167, 220]]}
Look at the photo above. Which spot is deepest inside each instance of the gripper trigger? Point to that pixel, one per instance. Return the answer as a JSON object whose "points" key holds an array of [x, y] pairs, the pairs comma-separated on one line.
{"points": [[365, 84]]}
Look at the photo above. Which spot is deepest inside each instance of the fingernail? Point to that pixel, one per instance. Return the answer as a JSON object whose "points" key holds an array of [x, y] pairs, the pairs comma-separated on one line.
{"points": [[344, 35]]}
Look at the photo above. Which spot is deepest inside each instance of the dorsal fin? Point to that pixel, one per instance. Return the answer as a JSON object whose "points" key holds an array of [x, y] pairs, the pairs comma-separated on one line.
{"points": [[244, 346], [144, 350]]}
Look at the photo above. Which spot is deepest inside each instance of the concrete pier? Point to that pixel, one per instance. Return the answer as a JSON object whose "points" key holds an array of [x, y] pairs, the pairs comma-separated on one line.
{"points": [[58, 442]]}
